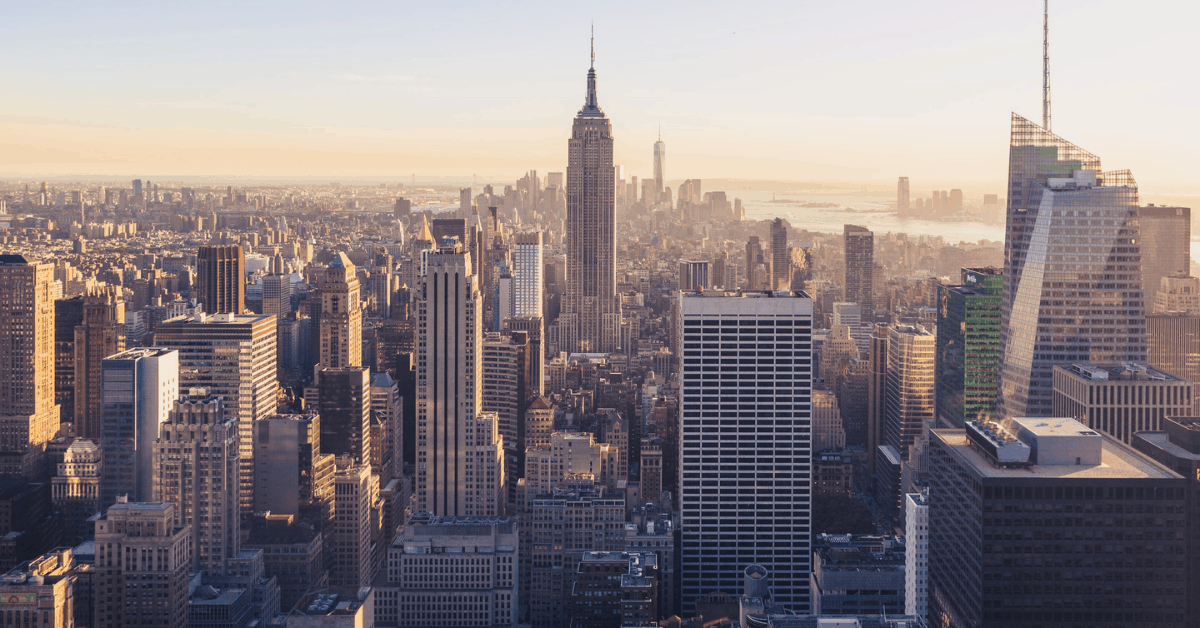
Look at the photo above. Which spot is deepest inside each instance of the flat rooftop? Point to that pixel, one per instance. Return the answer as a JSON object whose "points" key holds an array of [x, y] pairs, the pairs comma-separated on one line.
{"points": [[1162, 440], [1116, 462], [1128, 372]]}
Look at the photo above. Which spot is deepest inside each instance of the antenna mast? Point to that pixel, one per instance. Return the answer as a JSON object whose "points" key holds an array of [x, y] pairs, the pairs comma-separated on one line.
{"points": [[1046, 65], [594, 43]]}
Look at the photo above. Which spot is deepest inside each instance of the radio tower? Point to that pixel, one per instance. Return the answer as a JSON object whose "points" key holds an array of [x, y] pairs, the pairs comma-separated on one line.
{"points": [[1046, 65]]}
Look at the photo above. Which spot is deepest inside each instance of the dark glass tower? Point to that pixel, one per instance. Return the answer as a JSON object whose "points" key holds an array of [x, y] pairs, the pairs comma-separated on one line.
{"points": [[968, 346], [860, 269], [1072, 267]]}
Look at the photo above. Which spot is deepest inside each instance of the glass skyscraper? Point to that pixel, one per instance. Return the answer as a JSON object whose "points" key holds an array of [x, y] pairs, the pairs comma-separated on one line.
{"points": [[1072, 267], [968, 346]]}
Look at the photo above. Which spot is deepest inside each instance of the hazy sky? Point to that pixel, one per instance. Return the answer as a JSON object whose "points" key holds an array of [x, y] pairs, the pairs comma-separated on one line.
{"points": [[796, 90]]}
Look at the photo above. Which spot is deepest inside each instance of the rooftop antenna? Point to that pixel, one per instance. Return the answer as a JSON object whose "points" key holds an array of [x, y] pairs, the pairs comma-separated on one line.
{"points": [[1046, 65], [660, 131], [594, 44]]}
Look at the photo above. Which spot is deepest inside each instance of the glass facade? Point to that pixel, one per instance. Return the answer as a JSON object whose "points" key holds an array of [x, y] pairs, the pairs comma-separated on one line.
{"points": [[968, 347], [1072, 267]]}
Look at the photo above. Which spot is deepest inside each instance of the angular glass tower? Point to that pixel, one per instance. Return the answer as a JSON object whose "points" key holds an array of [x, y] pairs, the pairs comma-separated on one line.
{"points": [[1072, 267]]}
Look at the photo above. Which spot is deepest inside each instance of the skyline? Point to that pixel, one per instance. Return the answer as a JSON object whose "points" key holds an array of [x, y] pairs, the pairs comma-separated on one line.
{"points": [[384, 93]]}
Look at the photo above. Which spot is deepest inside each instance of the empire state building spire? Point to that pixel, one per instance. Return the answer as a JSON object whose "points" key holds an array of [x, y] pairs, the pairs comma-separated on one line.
{"points": [[591, 106]]}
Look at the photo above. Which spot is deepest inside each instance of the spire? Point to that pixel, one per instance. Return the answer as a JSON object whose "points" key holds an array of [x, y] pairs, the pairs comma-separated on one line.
{"points": [[660, 131], [1046, 65], [591, 106]]}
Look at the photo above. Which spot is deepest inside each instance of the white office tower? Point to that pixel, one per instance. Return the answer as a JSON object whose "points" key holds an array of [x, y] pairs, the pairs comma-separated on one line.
{"points": [[451, 571], [138, 388], [452, 435], [916, 554], [528, 271], [746, 371]]}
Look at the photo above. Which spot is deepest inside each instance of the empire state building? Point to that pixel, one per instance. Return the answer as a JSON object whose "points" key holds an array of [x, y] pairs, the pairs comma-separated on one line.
{"points": [[591, 313]]}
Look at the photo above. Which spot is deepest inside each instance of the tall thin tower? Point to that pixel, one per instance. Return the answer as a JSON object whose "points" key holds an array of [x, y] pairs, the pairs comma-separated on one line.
{"points": [[660, 158], [591, 313], [1046, 64]]}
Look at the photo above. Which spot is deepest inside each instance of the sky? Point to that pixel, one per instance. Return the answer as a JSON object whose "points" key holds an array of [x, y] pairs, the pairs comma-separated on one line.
{"points": [[859, 91]]}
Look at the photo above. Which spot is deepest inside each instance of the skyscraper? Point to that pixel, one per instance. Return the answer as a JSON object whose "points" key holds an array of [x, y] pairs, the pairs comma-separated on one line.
{"points": [[341, 315], [877, 368], [138, 389], [221, 279], [344, 403], [728, 524], [902, 208], [1166, 246], [660, 162], [909, 403], [141, 568], [860, 269], [234, 357], [1072, 267], [352, 564], [1021, 480], [449, 374], [68, 314], [968, 346], [528, 268], [290, 471], [196, 468], [754, 262], [591, 312], [781, 256], [1173, 345], [101, 334], [28, 414]]}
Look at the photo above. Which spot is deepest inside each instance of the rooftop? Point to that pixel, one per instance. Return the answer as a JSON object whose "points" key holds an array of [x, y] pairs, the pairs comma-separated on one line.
{"points": [[1127, 371], [1116, 461]]}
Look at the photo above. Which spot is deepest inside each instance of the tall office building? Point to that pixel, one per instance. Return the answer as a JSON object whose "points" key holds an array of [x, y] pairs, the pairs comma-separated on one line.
{"points": [[387, 420], [196, 468], [968, 347], [591, 312], [28, 413], [660, 163], [728, 524], [1177, 447], [755, 264], [860, 269], [1120, 399], [505, 390], [1011, 504], [909, 403], [344, 404], [916, 554], [138, 388], [352, 551], [877, 370], [534, 331], [1173, 345], [449, 377], [902, 205], [527, 273], [68, 314], [101, 334], [221, 279], [290, 470], [1075, 228], [234, 357], [693, 275], [277, 295], [781, 256], [1166, 236], [141, 567], [340, 315]]}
